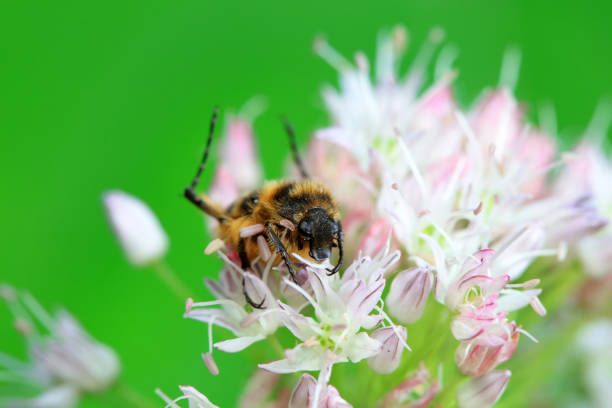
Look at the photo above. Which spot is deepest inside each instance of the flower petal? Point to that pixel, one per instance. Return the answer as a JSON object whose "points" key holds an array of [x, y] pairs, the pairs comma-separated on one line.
{"points": [[238, 344]]}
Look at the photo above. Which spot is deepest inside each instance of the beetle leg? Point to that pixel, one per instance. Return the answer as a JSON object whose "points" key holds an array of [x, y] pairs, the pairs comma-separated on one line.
{"points": [[244, 260], [340, 252], [281, 250]]}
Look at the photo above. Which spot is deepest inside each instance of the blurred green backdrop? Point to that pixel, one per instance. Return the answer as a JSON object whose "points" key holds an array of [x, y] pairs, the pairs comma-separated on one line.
{"points": [[102, 95]]}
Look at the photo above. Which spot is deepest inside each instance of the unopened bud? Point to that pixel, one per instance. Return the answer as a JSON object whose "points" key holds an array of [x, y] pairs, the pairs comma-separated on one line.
{"points": [[408, 294], [388, 359], [303, 393], [483, 391], [376, 237], [478, 359], [137, 228], [238, 153]]}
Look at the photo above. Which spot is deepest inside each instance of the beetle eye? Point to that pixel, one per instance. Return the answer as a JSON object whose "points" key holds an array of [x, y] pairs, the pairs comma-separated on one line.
{"points": [[334, 228], [305, 228]]}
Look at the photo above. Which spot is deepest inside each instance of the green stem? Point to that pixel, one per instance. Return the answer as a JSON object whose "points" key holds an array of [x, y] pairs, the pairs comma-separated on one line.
{"points": [[171, 280], [276, 345], [447, 395]]}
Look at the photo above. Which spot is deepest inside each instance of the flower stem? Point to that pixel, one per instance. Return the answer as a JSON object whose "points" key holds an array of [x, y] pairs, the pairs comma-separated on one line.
{"points": [[171, 280], [276, 345]]}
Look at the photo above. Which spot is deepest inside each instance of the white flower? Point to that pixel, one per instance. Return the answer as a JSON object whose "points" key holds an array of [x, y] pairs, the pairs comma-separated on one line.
{"points": [[65, 355], [342, 309], [228, 311], [367, 115], [61, 396], [137, 228], [71, 355]]}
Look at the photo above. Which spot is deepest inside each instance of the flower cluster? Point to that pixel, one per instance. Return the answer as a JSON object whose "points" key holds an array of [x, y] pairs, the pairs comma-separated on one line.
{"points": [[435, 200], [444, 210], [65, 361]]}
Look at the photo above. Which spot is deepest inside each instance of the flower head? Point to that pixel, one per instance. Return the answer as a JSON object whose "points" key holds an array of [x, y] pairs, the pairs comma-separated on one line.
{"points": [[466, 196], [64, 359]]}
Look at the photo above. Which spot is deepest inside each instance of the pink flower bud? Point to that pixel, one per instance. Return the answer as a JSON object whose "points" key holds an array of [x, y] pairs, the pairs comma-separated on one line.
{"points": [[388, 359], [536, 153], [261, 387], [476, 359], [376, 237], [332, 399], [304, 393], [416, 391], [484, 391], [497, 120], [239, 154], [224, 189], [408, 294]]}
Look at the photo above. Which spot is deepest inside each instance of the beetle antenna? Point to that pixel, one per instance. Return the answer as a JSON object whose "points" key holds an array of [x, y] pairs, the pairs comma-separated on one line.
{"points": [[203, 202], [294, 150], [213, 122]]}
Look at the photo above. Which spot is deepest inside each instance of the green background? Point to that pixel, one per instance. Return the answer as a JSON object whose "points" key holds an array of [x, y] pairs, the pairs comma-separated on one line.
{"points": [[104, 95]]}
